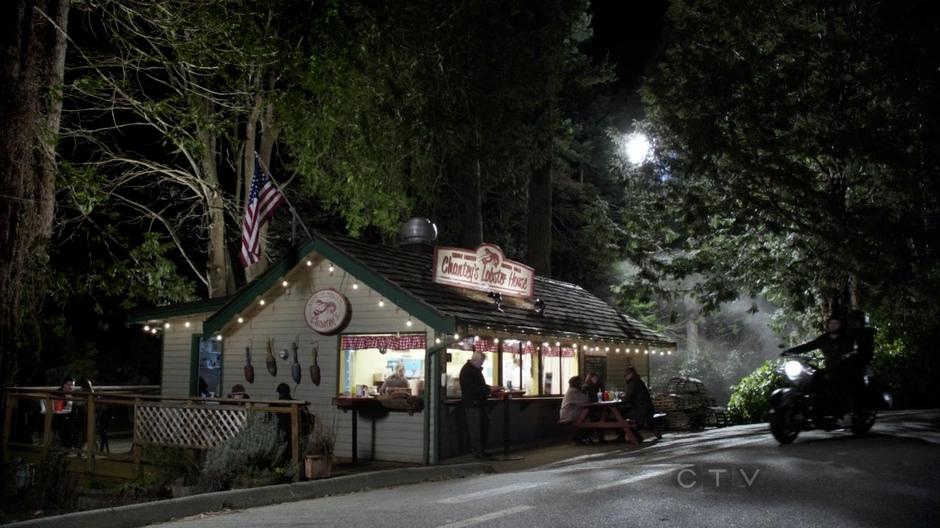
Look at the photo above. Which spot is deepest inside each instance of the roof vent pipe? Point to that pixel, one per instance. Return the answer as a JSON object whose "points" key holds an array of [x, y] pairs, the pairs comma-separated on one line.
{"points": [[418, 234]]}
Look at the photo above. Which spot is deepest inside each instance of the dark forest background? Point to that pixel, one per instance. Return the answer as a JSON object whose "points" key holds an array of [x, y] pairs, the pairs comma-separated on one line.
{"points": [[792, 174]]}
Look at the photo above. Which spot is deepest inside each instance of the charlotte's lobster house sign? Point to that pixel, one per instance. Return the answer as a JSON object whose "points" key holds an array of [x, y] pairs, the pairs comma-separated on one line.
{"points": [[484, 268], [327, 311]]}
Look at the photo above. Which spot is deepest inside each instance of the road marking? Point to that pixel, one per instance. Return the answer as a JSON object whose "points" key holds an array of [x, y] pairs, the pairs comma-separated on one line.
{"points": [[655, 471], [486, 493], [484, 518]]}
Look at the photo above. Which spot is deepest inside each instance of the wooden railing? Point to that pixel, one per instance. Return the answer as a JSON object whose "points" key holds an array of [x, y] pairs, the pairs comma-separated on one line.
{"points": [[88, 423]]}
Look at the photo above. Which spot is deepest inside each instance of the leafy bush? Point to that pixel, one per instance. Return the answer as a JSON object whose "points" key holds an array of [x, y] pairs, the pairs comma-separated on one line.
{"points": [[253, 453], [322, 441], [166, 464], [750, 398]]}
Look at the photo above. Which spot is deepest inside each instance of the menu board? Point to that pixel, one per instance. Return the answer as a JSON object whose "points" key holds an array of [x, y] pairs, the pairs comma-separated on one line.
{"points": [[598, 365]]}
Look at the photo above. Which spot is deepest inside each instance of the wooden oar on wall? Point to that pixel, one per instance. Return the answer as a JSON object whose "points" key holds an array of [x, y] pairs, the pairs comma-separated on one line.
{"points": [[315, 368], [270, 361], [295, 366]]}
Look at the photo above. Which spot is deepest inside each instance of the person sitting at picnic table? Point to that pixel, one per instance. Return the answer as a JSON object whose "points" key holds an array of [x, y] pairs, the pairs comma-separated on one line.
{"points": [[571, 409], [636, 405], [396, 380], [593, 385]]}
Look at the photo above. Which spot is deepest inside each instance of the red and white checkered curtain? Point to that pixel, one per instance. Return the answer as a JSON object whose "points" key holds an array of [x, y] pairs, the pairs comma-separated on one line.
{"points": [[553, 351], [388, 342]]}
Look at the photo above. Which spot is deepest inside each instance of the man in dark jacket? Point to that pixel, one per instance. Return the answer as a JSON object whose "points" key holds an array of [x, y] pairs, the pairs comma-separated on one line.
{"points": [[835, 346], [473, 394], [832, 344], [637, 404]]}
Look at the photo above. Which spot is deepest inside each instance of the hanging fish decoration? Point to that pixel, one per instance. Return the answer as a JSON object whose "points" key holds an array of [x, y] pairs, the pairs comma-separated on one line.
{"points": [[295, 367], [315, 368], [249, 368], [270, 361]]}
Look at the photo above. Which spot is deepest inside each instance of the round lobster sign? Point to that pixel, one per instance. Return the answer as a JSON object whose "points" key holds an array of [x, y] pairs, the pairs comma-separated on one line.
{"points": [[327, 311]]}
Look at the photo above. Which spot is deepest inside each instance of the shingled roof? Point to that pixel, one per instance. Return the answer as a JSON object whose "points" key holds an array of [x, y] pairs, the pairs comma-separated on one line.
{"points": [[570, 310], [404, 278]]}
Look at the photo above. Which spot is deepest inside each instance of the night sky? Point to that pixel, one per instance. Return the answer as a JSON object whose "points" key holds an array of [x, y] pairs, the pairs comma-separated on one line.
{"points": [[628, 33]]}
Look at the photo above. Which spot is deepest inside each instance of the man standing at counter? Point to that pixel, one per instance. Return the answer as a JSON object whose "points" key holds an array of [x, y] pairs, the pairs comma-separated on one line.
{"points": [[473, 394]]}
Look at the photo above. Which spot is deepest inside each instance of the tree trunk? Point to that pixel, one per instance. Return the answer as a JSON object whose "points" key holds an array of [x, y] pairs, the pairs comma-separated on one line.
{"points": [[540, 219], [471, 200], [33, 49], [217, 270], [248, 170]]}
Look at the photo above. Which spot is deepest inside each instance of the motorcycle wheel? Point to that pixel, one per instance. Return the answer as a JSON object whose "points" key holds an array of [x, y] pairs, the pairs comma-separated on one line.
{"points": [[784, 425], [862, 422]]}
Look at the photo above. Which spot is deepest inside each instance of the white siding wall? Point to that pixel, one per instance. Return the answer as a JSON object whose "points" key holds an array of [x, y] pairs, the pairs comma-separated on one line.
{"points": [[177, 354], [399, 436]]}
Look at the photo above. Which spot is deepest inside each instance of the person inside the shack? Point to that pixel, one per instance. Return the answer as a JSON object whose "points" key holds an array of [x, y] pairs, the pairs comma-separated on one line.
{"points": [[396, 380]]}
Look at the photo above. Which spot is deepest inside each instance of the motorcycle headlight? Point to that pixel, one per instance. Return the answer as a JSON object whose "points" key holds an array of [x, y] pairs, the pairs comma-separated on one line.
{"points": [[793, 369]]}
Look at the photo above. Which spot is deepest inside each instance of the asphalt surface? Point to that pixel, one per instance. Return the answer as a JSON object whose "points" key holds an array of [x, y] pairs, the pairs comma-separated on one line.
{"points": [[736, 476]]}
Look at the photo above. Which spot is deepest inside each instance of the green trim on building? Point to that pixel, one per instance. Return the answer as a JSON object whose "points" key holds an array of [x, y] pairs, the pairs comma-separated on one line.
{"points": [[177, 310], [395, 294]]}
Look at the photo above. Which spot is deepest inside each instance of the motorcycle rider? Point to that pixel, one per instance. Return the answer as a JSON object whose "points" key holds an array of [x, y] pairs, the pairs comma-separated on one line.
{"points": [[860, 352], [834, 345]]}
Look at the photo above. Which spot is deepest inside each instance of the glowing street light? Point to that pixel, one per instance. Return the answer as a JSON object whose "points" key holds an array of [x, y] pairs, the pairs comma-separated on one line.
{"points": [[636, 147]]}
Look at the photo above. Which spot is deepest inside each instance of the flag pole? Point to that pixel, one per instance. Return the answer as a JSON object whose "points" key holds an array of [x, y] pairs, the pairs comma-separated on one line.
{"points": [[293, 212]]}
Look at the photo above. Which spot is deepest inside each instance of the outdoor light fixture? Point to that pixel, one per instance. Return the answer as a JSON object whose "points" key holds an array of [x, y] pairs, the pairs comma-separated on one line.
{"points": [[355, 285], [408, 322], [186, 324], [539, 306], [218, 337], [498, 298], [309, 263], [261, 302], [332, 269], [166, 325], [146, 328], [636, 147], [153, 331], [381, 303], [284, 284], [241, 320]]}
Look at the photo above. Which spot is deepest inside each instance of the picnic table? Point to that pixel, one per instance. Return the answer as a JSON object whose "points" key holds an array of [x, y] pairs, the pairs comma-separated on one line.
{"points": [[609, 418]]}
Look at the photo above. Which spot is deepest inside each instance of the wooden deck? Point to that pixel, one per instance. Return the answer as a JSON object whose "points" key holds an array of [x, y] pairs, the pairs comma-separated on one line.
{"points": [[104, 433]]}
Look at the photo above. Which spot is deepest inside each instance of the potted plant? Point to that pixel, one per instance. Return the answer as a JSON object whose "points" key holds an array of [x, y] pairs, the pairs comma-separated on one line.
{"points": [[318, 462]]}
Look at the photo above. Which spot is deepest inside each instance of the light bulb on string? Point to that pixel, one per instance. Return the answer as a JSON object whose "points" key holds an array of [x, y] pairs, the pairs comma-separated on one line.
{"points": [[146, 328]]}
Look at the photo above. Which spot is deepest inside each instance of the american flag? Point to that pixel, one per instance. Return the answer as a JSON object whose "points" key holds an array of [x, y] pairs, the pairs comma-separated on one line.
{"points": [[263, 199]]}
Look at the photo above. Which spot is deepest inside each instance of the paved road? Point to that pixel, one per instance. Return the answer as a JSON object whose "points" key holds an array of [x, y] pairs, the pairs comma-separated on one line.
{"points": [[736, 476]]}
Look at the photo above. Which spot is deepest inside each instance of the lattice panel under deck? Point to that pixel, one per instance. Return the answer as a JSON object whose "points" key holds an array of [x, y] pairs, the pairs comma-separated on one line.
{"points": [[199, 427]]}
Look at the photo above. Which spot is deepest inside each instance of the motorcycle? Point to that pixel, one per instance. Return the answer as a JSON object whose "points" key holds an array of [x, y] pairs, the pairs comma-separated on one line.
{"points": [[810, 402]]}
